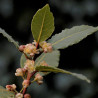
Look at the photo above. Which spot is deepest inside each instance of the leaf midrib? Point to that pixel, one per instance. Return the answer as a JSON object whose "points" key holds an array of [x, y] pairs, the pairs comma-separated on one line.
{"points": [[52, 69], [42, 26], [67, 37]]}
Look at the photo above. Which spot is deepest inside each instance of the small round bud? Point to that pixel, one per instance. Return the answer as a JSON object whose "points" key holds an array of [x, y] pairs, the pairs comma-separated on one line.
{"points": [[27, 96], [43, 63], [47, 47], [38, 78], [19, 72], [30, 48], [21, 48], [26, 83], [11, 87], [19, 95]]}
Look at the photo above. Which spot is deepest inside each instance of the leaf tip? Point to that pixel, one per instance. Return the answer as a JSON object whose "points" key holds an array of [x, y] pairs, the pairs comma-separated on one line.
{"points": [[82, 77], [47, 5], [88, 81]]}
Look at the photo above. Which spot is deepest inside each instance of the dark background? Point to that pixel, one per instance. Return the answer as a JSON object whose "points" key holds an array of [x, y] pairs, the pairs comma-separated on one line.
{"points": [[15, 19]]}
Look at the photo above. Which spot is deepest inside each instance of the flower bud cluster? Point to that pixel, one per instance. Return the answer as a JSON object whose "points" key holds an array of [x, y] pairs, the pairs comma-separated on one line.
{"points": [[29, 65], [11, 87], [29, 48], [19, 72], [38, 78], [19, 95], [47, 47]]}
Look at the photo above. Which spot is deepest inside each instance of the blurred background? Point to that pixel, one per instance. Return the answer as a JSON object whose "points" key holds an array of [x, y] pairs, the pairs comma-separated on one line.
{"points": [[15, 19]]}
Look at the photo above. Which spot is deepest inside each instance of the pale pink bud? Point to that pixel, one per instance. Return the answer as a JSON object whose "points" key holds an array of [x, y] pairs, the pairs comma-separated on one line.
{"points": [[43, 63], [21, 48], [26, 83], [19, 72], [11, 87], [27, 96], [19, 95], [39, 78]]}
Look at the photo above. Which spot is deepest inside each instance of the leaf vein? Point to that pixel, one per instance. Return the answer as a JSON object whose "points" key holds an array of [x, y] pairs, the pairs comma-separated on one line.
{"points": [[67, 37]]}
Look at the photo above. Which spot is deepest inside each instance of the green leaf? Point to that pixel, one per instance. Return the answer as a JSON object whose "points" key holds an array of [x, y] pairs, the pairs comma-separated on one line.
{"points": [[22, 60], [71, 36], [42, 25], [57, 70], [50, 58], [6, 94], [10, 39]]}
